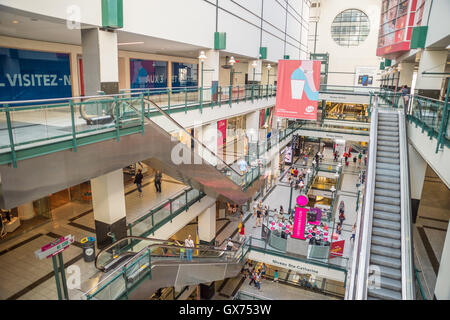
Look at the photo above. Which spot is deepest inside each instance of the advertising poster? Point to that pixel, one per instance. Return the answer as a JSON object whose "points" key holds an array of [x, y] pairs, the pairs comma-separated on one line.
{"points": [[184, 75], [298, 89], [298, 231], [364, 76], [222, 132], [288, 155], [148, 74], [27, 75], [337, 249]]}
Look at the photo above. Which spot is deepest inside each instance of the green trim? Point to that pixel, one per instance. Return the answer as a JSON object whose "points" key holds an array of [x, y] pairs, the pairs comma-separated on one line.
{"points": [[112, 14], [220, 40], [419, 37], [263, 52]]}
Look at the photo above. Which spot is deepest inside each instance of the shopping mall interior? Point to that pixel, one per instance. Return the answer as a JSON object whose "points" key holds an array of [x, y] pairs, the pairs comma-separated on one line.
{"points": [[266, 150]]}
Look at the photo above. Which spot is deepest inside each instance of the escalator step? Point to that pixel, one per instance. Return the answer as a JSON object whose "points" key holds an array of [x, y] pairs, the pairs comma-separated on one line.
{"points": [[391, 284], [388, 166], [385, 261], [385, 172], [388, 149], [386, 251], [385, 143], [387, 192], [387, 233], [381, 159], [386, 208], [388, 133], [382, 137], [386, 216], [384, 154], [387, 185], [387, 272], [388, 179], [387, 200], [387, 224], [391, 128], [386, 242], [384, 294]]}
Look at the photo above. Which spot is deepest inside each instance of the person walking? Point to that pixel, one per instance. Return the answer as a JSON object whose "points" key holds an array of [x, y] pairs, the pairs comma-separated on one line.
{"points": [[353, 233], [275, 276], [252, 277], [354, 160], [359, 158], [258, 280], [182, 250], [138, 181], [341, 216], [242, 234], [189, 243], [263, 270], [158, 177], [258, 218], [230, 245]]}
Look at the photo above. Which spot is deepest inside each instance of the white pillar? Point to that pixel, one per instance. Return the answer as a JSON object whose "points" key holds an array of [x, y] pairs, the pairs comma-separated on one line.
{"points": [[442, 287], [26, 211], [257, 71], [207, 224], [406, 74], [417, 170], [431, 61], [108, 201], [211, 67], [208, 136], [252, 125], [100, 61]]}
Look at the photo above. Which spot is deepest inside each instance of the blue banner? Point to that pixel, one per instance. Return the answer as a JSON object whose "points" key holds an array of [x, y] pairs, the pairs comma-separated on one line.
{"points": [[184, 75], [28, 75], [148, 74]]}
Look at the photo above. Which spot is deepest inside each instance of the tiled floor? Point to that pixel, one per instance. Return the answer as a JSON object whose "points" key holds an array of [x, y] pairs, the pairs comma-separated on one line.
{"points": [[23, 276]]}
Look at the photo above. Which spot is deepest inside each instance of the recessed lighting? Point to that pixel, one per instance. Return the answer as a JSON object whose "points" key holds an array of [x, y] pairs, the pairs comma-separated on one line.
{"points": [[15, 21]]}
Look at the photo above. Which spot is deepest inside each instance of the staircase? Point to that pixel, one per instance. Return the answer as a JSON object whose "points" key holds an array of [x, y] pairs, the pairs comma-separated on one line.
{"points": [[385, 249]]}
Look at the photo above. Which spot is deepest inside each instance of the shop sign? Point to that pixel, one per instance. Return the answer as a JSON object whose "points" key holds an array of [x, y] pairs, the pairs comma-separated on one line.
{"points": [[148, 74], [28, 75], [337, 249], [53, 248], [298, 89]]}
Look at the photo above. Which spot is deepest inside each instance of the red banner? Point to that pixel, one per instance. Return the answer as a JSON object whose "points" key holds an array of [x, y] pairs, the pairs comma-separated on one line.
{"points": [[222, 132], [337, 249], [298, 89]]}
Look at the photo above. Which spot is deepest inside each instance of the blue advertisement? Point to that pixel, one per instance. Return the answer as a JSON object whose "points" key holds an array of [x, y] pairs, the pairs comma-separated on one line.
{"points": [[28, 75], [184, 75], [148, 74]]}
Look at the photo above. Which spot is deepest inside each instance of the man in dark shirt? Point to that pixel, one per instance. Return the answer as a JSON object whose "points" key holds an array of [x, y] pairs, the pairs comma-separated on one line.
{"points": [[138, 181], [158, 177]]}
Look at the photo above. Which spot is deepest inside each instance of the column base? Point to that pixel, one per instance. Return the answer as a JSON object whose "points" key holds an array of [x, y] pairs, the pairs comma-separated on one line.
{"points": [[119, 228], [207, 291]]}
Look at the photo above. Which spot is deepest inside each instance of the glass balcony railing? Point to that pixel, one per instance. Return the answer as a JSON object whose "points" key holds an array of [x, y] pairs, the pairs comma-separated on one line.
{"points": [[36, 127]]}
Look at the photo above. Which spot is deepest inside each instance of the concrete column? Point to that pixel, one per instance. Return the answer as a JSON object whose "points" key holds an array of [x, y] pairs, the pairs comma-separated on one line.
{"points": [[431, 61], [406, 74], [208, 135], [252, 126], [207, 224], [257, 71], [211, 67], [26, 211], [100, 61], [108, 200], [417, 169], [442, 288]]}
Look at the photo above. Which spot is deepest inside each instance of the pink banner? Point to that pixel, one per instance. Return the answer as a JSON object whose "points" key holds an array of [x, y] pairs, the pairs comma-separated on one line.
{"points": [[298, 89], [337, 249], [222, 132], [298, 231]]}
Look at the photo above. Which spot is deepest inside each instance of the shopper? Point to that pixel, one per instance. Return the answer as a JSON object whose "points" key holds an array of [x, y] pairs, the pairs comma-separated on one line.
{"points": [[138, 181], [182, 250], [359, 158], [353, 232], [242, 234], [230, 245], [365, 160], [252, 277], [255, 207], [263, 270], [258, 218], [295, 172], [258, 280], [339, 228], [275, 276], [189, 243], [354, 160], [158, 177], [341, 216]]}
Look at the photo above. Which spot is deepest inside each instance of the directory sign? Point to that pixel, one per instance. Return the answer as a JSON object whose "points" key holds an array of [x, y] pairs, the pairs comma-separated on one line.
{"points": [[53, 248], [27, 75], [298, 89], [148, 74]]}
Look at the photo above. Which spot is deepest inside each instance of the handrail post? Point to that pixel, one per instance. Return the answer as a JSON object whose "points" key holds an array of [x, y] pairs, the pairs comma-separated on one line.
{"points": [[201, 99], [230, 93], [170, 209], [220, 96], [186, 198], [142, 112], [116, 108], [253, 98], [168, 100], [11, 137], [185, 100], [130, 229], [74, 134], [444, 121]]}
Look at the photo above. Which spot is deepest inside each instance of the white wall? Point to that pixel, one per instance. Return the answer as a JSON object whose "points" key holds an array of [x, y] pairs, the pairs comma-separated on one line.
{"points": [[346, 59]]}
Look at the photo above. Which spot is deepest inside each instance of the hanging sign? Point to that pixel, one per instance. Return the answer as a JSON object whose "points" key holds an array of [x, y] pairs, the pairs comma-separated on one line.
{"points": [[298, 231]]}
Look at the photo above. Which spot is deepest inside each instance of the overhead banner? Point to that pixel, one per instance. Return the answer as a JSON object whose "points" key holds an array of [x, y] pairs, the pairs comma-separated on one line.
{"points": [[222, 130], [298, 89]]}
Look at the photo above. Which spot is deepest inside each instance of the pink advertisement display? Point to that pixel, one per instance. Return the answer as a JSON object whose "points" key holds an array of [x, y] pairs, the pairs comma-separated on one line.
{"points": [[298, 231], [222, 132], [298, 85]]}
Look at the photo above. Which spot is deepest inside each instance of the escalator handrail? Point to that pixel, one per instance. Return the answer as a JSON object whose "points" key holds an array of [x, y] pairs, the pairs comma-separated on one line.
{"points": [[186, 132], [408, 280], [361, 251]]}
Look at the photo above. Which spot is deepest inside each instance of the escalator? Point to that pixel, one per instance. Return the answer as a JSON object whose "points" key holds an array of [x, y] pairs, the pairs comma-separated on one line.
{"points": [[155, 264], [382, 267], [185, 158]]}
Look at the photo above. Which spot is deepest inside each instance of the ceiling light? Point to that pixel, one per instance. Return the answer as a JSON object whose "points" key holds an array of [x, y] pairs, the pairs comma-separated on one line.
{"points": [[254, 64], [15, 21], [232, 61], [202, 56], [129, 43]]}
